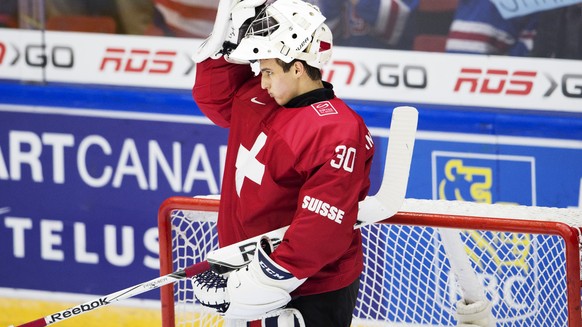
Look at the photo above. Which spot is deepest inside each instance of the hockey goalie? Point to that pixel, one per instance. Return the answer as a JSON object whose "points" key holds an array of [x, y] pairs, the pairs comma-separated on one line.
{"points": [[297, 155]]}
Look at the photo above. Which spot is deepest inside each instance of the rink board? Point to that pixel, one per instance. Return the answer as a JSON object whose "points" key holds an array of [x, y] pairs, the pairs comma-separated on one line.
{"points": [[91, 168]]}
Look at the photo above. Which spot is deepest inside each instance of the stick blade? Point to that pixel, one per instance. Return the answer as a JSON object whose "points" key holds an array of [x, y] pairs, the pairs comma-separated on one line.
{"points": [[392, 192]]}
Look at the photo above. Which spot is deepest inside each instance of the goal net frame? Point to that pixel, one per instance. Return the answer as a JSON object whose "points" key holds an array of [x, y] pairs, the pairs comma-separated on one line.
{"points": [[565, 224]]}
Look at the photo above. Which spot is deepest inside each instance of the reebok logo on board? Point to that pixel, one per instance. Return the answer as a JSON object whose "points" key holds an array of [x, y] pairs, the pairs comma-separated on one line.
{"points": [[324, 108]]}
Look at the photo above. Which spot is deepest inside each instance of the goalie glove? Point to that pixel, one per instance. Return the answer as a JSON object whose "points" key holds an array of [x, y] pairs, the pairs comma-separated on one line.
{"points": [[250, 292], [232, 20]]}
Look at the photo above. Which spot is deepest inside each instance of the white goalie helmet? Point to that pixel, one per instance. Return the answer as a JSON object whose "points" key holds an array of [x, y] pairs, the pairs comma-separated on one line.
{"points": [[288, 30]]}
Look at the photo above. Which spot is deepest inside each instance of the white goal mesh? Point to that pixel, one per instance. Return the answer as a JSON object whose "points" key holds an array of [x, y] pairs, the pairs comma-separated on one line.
{"points": [[528, 266]]}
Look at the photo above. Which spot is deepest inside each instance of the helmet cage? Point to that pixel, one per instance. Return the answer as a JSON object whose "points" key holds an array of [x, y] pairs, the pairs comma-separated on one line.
{"points": [[263, 25], [287, 30]]}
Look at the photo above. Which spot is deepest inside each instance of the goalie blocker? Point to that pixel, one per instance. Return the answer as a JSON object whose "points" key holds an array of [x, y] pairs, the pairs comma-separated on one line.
{"points": [[260, 287]]}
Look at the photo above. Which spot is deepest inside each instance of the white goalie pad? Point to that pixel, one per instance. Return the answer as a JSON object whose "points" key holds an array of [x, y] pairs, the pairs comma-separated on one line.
{"points": [[277, 318]]}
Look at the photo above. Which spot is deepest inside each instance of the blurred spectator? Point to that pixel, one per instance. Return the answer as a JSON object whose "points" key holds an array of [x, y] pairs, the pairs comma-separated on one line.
{"points": [[559, 33], [364, 23], [8, 13], [369, 23], [128, 16], [431, 24], [134, 15], [359, 23], [479, 28], [183, 18]]}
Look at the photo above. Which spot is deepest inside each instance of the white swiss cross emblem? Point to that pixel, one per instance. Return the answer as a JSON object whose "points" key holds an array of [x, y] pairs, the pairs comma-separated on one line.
{"points": [[247, 164]]}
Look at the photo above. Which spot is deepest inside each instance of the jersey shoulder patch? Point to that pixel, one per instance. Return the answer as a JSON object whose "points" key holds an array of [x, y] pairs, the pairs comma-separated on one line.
{"points": [[324, 108]]}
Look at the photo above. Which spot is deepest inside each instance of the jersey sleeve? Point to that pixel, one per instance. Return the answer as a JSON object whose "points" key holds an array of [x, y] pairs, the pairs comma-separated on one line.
{"points": [[216, 84], [336, 180]]}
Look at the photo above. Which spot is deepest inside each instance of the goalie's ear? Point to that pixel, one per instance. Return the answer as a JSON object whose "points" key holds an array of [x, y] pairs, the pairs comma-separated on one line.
{"points": [[232, 18]]}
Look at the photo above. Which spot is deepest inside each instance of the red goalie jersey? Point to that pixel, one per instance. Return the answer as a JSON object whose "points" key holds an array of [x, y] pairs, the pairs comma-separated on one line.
{"points": [[305, 165]]}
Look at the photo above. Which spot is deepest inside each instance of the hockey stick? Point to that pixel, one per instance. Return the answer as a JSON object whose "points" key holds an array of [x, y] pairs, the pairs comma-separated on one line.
{"points": [[454, 247], [383, 205], [474, 309], [389, 198]]}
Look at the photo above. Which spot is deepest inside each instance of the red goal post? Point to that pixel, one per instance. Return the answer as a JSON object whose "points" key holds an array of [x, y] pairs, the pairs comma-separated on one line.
{"points": [[526, 261]]}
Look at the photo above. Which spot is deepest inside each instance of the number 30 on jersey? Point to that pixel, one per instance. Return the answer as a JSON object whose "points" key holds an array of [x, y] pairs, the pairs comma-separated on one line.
{"points": [[344, 158]]}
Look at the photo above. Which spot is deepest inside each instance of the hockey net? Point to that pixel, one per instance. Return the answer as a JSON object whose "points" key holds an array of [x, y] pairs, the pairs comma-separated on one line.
{"points": [[526, 260]]}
